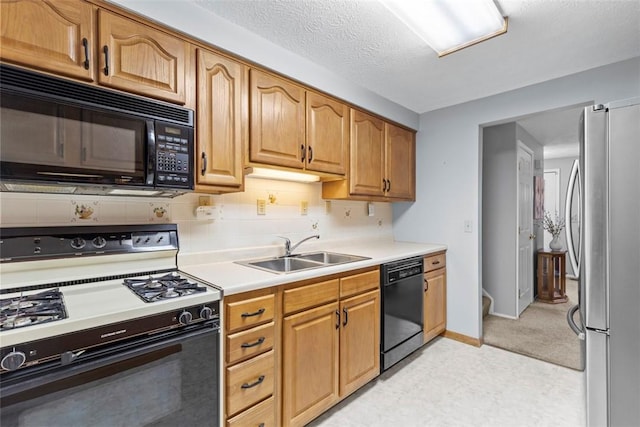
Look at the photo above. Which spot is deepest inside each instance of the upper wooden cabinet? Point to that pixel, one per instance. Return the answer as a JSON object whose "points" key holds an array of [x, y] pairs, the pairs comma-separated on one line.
{"points": [[76, 39], [296, 128], [327, 134], [400, 162], [141, 59], [51, 36], [382, 162], [221, 122], [277, 121], [367, 155]]}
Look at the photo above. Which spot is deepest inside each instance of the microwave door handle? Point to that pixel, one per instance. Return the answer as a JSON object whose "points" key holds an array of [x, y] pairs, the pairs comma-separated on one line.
{"points": [[151, 152]]}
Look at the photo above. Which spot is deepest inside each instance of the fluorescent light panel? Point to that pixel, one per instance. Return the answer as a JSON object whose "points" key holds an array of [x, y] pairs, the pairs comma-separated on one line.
{"points": [[280, 175], [450, 25]]}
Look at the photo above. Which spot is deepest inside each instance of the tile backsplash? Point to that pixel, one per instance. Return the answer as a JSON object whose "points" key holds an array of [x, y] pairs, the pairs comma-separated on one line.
{"points": [[232, 221]]}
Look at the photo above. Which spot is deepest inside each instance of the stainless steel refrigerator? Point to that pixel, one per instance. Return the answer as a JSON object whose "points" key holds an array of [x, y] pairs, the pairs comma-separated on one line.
{"points": [[609, 274]]}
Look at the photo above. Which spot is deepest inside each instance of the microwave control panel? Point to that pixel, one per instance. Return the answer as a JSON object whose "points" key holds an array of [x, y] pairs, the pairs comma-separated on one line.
{"points": [[174, 148]]}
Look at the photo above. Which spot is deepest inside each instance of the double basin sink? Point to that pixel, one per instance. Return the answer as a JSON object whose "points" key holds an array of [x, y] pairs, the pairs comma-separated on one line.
{"points": [[291, 263]]}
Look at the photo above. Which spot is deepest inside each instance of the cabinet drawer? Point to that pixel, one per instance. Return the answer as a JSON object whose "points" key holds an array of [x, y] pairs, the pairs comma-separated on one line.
{"points": [[359, 283], [249, 382], [242, 345], [433, 262], [249, 312], [308, 296], [263, 414]]}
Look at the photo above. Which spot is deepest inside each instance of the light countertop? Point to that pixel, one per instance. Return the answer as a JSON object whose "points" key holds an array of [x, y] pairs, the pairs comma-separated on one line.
{"points": [[234, 278]]}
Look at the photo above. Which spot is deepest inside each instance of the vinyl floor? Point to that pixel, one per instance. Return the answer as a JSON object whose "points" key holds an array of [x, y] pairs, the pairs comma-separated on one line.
{"points": [[447, 383]]}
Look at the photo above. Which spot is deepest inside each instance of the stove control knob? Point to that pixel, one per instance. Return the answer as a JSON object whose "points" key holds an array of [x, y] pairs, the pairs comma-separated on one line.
{"points": [[78, 243], [185, 318], [206, 313], [13, 360], [99, 242]]}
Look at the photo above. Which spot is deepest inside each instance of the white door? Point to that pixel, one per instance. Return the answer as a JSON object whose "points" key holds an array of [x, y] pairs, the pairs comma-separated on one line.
{"points": [[551, 197], [525, 228]]}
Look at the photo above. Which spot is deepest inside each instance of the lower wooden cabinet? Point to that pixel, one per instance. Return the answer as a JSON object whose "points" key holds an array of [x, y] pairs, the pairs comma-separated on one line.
{"points": [[435, 296], [330, 350]]}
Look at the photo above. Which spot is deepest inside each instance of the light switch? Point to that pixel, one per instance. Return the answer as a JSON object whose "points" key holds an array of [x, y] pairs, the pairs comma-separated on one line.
{"points": [[304, 207]]}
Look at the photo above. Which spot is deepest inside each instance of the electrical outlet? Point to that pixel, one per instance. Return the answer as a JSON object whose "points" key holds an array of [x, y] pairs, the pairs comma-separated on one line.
{"points": [[468, 226], [327, 207], [262, 207], [205, 201], [304, 207]]}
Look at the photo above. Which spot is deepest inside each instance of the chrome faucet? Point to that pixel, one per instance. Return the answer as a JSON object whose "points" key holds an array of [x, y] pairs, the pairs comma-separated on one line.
{"points": [[287, 243]]}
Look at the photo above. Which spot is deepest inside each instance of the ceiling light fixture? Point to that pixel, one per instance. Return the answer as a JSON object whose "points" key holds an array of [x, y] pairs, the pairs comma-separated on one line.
{"points": [[450, 25], [280, 175]]}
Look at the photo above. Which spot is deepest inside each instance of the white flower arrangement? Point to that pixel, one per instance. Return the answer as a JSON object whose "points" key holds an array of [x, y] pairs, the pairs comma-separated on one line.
{"points": [[553, 227]]}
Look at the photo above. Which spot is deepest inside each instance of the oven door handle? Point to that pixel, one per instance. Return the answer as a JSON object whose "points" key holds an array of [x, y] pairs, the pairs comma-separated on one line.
{"points": [[92, 366]]}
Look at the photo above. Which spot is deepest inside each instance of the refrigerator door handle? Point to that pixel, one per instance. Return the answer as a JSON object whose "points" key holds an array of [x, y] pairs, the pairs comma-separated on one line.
{"points": [[572, 324]]}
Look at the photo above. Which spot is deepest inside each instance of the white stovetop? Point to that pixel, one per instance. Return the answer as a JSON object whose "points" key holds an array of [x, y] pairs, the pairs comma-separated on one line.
{"points": [[235, 278], [95, 304]]}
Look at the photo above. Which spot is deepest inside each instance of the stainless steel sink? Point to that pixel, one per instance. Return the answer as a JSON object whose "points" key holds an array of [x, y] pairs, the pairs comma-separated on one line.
{"points": [[330, 257], [288, 264]]}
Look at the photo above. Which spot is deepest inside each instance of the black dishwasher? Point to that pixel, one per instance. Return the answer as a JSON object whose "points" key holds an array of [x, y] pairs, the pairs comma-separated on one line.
{"points": [[402, 310]]}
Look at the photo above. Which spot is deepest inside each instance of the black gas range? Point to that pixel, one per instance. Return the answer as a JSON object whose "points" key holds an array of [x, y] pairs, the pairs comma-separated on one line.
{"points": [[78, 301]]}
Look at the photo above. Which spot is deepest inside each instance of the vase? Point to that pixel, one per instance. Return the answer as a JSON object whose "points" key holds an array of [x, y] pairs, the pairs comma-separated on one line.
{"points": [[555, 244]]}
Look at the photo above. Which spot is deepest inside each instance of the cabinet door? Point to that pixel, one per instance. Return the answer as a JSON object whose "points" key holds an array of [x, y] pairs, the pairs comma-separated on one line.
{"points": [[435, 303], [359, 341], [310, 364], [367, 154], [140, 59], [327, 134], [222, 124], [400, 162], [49, 36], [277, 121]]}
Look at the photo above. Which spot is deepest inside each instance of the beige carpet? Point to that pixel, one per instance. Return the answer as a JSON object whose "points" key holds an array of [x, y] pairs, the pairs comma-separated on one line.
{"points": [[541, 332]]}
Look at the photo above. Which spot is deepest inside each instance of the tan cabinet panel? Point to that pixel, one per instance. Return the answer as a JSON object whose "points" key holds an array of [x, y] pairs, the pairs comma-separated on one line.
{"points": [[359, 283], [221, 119], [308, 296], [435, 303], [249, 382], [262, 414], [61, 48], [327, 134], [310, 364], [400, 163], [243, 345], [359, 341], [367, 154], [435, 261], [277, 121], [141, 59], [249, 312]]}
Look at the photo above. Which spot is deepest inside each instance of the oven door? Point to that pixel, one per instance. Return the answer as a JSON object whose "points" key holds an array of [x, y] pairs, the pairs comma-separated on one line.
{"points": [[164, 381]]}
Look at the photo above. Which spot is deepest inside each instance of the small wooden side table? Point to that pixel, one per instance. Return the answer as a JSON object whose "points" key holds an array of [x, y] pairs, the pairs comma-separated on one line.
{"points": [[551, 276]]}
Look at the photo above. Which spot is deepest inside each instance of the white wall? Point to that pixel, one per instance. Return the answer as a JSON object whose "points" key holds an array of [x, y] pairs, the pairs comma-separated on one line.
{"points": [[204, 25], [448, 165]]}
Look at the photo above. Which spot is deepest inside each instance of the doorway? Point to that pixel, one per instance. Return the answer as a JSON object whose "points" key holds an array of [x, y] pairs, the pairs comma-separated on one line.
{"points": [[552, 137]]}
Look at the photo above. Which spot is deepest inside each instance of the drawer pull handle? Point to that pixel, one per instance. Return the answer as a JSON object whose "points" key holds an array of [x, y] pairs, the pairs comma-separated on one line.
{"points": [[252, 344], [255, 313], [253, 384], [261, 425], [435, 263], [106, 60]]}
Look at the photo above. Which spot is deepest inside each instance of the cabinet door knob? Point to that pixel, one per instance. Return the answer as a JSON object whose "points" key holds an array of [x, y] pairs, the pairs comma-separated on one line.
{"points": [[346, 316], [302, 153], [337, 319], [426, 285], [203, 169]]}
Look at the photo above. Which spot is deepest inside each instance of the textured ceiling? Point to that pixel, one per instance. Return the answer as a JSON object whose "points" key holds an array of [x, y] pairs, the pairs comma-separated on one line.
{"points": [[361, 41]]}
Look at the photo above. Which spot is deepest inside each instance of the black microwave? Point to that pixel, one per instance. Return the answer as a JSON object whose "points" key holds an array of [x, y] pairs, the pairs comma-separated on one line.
{"points": [[60, 136]]}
